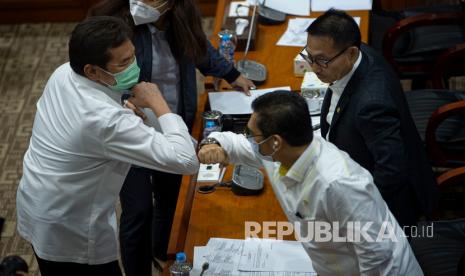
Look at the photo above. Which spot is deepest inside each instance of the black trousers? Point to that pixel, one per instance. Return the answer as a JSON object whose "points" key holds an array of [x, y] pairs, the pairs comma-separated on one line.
{"points": [[148, 201], [50, 268]]}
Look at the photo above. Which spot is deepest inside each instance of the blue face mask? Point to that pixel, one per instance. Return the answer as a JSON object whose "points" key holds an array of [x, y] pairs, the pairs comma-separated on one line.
{"points": [[256, 149]]}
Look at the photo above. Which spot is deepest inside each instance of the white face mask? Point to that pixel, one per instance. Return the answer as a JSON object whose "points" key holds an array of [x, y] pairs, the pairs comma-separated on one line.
{"points": [[143, 13], [256, 149]]}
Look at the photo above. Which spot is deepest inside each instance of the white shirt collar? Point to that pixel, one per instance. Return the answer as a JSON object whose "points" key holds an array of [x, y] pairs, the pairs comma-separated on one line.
{"points": [[339, 85], [113, 94], [296, 174]]}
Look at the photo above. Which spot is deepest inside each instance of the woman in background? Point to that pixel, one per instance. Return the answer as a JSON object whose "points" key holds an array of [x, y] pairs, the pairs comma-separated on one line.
{"points": [[170, 44]]}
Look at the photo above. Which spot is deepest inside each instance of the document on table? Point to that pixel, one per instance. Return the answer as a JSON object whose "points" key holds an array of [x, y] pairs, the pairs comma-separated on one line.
{"points": [[296, 32], [224, 256], [274, 255], [295, 7], [235, 102], [324, 5]]}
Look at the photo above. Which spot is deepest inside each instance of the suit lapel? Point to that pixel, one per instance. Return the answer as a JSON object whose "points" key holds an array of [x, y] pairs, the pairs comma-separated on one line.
{"points": [[324, 112], [344, 100], [342, 103]]}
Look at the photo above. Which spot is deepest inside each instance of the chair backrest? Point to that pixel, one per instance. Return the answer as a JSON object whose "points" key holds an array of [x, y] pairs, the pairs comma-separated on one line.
{"points": [[439, 246], [439, 118], [450, 63], [435, 150], [430, 41]]}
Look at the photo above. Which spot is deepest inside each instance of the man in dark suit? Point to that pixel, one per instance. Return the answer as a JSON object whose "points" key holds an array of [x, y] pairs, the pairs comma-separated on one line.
{"points": [[365, 114]]}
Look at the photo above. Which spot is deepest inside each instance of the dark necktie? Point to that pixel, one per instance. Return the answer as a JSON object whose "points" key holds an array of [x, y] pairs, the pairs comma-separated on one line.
{"points": [[324, 112]]}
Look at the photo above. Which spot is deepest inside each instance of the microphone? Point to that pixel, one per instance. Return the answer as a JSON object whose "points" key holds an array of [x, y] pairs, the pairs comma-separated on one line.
{"points": [[124, 98], [204, 268], [269, 16], [252, 70]]}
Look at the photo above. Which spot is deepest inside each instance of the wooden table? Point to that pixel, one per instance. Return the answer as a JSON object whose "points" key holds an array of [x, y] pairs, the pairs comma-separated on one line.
{"points": [[223, 214]]}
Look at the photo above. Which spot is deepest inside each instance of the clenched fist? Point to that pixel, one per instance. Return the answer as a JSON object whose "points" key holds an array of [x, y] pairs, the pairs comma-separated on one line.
{"points": [[147, 95], [212, 154]]}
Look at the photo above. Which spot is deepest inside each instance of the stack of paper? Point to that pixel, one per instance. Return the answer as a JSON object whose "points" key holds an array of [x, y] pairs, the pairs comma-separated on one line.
{"points": [[295, 7], [253, 257], [235, 102], [324, 5], [296, 32]]}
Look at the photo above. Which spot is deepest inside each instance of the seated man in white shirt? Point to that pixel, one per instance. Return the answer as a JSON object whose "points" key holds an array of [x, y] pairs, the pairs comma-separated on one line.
{"points": [[82, 146], [316, 183]]}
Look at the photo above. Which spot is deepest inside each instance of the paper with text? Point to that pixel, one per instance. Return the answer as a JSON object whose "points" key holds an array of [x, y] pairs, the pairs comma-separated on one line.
{"points": [[274, 255], [235, 102], [296, 32], [223, 257]]}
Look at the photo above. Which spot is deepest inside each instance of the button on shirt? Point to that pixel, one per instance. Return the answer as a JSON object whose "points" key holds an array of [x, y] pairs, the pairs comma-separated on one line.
{"points": [[83, 142], [338, 87], [325, 185]]}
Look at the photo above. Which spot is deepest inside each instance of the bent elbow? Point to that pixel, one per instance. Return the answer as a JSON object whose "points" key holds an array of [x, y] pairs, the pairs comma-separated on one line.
{"points": [[186, 163], [191, 166]]}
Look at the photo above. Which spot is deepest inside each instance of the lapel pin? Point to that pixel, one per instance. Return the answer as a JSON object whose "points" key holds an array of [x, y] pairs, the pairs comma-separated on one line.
{"points": [[338, 109]]}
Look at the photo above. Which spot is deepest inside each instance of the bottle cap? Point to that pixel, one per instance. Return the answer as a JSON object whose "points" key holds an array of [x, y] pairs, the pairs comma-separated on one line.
{"points": [[212, 114], [181, 257]]}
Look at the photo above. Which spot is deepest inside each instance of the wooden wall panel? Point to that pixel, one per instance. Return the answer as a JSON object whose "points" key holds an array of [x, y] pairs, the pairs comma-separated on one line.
{"points": [[22, 11], [207, 7]]}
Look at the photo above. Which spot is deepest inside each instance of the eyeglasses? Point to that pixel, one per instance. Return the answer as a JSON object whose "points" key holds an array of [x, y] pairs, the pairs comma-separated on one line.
{"points": [[323, 62], [248, 133]]}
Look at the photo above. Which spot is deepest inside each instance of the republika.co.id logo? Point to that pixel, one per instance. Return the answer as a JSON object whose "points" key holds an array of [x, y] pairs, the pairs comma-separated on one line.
{"points": [[323, 231]]}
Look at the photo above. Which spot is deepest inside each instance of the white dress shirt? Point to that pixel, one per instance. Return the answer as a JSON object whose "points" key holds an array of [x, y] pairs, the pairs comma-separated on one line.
{"points": [[338, 87], [83, 142], [325, 185]]}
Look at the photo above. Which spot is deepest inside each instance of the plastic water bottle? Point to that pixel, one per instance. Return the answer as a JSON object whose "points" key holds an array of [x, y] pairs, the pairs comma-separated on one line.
{"points": [[181, 266], [227, 44], [211, 122]]}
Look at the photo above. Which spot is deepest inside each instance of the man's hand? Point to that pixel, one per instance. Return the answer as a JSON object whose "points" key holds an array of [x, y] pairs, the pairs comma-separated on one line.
{"points": [[244, 84], [147, 95], [135, 109], [212, 154]]}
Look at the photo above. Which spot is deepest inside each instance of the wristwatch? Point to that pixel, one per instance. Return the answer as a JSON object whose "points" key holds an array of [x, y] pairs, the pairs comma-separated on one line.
{"points": [[208, 141]]}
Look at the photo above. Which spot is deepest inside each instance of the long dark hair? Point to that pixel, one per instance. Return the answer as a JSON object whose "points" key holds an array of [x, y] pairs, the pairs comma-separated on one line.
{"points": [[184, 33]]}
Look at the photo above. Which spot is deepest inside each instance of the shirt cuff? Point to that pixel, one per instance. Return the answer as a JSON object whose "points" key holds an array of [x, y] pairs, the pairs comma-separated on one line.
{"points": [[232, 75]]}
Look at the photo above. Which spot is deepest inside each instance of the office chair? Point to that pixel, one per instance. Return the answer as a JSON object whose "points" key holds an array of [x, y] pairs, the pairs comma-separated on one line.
{"points": [[424, 38], [452, 152], [412, 39], [441, 253], [440, 244], [439, 116], [449, 64]]}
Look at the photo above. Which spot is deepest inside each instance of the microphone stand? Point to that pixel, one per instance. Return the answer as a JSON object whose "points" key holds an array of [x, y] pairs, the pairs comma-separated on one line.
{"points": [[252, 70]]}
